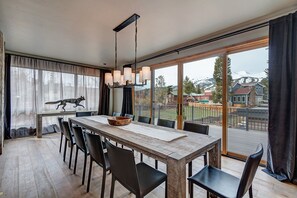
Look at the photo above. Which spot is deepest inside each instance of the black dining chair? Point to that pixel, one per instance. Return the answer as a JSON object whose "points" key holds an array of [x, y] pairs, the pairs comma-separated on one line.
{"points": [[83, 113], [116, 114], [140, 179], [164, 123], [68, 137], [143, 119], [97, 154], [80, 145], [196, 128], [130, 116], [60, 120], [146, 120], [222, 184]]}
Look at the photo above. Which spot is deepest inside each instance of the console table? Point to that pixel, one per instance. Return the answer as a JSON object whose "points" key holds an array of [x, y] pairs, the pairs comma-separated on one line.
{"points": [[39, 117]]}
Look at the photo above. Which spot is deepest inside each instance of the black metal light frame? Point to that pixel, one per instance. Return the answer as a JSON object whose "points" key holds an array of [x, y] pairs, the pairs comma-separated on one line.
{"points": [[117, 29]]}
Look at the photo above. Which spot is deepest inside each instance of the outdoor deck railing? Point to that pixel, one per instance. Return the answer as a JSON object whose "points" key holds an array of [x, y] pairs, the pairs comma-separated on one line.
{"points": [[238, 117]]}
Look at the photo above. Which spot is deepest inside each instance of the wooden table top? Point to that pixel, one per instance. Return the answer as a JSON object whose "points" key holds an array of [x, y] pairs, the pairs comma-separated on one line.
{"points": [[188, 147]]}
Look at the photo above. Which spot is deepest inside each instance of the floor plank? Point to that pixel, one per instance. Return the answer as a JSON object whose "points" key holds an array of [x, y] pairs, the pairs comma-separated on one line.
{"points": [[31, 167]]}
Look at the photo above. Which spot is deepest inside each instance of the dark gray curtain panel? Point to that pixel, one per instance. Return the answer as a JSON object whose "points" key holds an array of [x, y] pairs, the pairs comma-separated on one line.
{"points": [[7, 100], [282, 130], [127, 101], [104, 95]]}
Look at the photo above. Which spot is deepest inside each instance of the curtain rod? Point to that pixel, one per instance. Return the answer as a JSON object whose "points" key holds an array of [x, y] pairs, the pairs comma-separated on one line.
{"points": [[54, 60], [227, 35]]}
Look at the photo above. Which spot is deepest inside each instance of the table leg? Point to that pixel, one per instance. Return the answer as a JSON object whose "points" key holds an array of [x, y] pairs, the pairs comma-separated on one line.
{"points": [[215, 155], [176, 178], [39, 126]]}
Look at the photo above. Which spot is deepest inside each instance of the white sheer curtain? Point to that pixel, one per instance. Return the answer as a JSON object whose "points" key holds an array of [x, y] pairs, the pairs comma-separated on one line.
{"points": [[34, 82]]}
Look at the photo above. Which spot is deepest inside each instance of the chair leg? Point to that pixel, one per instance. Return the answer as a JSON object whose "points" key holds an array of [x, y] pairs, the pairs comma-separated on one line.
{"points": [[75, 161], [141, 157], [156, 164], [61, 142], [84, 171], [90, 172], [205, 159], [191, 189], [166, 189], [251, 192], [103, 183], [189, 174], [190, 169], [112, 186], [65, 146], [70, 159]]}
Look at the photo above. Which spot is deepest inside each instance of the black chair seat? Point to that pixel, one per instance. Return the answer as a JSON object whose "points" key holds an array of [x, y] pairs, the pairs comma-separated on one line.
{"points": [[153, 178], [216, 181]]}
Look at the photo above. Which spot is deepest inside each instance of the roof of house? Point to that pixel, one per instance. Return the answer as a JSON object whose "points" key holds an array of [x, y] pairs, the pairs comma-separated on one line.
{"points": [[251, 84], [242, 91]]}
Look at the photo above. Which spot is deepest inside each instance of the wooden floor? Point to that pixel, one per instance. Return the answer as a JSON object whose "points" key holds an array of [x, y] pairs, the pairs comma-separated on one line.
{"points": [[31, 167]]}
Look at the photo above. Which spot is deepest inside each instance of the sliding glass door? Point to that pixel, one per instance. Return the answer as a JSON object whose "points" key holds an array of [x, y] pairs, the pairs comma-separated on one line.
{"points": [[248, 101], [226, 89], [202, 94]]}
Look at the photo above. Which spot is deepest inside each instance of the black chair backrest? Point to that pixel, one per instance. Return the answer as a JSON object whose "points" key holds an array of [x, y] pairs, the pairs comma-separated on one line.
{"points": [[130, 116], [83, 113], [116, 114], [60, 120], [144, 119], [249, 171], [79, 138], [123, 168], [197, 128], [95, 147], [67, 131], [166, 123]]}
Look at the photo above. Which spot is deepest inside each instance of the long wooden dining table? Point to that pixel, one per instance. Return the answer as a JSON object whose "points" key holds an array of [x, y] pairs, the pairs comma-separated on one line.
{"points": [[175, 149]]}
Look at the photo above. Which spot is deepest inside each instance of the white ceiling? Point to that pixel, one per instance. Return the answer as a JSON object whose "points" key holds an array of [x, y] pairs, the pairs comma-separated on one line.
{"points": [[81, 30]]}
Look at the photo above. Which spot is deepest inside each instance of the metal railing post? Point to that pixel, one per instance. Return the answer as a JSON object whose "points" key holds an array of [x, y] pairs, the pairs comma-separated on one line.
{"points": [[159, 109], [247, 119], [192, 112], [139, 110]]}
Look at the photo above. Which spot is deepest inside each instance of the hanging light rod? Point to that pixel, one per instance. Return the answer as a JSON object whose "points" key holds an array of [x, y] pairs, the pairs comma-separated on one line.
{"points": [[128, 79], [127, 22]]}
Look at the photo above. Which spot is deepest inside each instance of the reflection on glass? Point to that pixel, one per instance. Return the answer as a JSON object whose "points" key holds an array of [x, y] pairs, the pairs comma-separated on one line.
{"points": [[142, 99]]}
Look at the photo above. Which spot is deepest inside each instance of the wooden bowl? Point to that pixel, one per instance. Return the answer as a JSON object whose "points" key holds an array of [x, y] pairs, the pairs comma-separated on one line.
{"points": [[119, 121]]}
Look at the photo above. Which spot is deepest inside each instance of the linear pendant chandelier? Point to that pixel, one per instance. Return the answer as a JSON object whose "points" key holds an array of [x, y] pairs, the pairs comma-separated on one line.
{"points": [[128, 79]]}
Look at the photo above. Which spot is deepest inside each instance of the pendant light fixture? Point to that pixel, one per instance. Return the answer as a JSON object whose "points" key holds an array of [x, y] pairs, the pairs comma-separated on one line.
{"points": [[128, 78]]}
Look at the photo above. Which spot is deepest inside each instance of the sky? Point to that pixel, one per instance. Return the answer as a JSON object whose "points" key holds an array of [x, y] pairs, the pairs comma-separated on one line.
{"points": [[252, 61]]}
